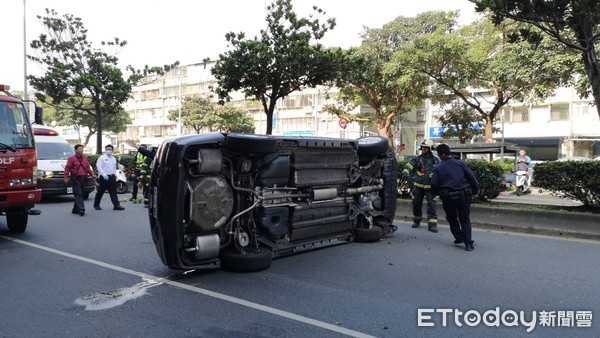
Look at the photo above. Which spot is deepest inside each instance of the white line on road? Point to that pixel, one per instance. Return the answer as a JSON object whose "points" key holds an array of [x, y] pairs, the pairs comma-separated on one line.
{"points": [[231, 299]]}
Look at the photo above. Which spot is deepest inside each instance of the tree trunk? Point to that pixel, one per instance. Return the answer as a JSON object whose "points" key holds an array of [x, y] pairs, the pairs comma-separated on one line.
{"points": [[98, 127], [590, 64], [489, 125]]}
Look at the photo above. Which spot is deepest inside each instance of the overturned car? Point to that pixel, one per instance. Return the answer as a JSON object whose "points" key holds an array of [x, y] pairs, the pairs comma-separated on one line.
{"points": [[241, 199]]}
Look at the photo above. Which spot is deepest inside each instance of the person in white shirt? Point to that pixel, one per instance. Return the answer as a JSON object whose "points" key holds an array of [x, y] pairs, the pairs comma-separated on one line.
{"points": [[107, 168]]}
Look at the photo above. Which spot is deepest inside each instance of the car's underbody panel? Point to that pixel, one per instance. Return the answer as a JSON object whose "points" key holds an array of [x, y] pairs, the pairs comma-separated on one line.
{"points": [[242, 199]]}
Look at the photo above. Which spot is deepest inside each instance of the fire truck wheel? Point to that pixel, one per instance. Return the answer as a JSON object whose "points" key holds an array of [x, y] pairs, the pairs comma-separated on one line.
{"points": [[17, 223]]}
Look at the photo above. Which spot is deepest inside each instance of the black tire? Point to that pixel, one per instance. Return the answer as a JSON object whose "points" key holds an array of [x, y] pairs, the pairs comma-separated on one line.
{"points": [[246, 262], [249, 143], [371, 235], [86, 195], [17, 223], [121, 187], [519, 191], [372, 145]]}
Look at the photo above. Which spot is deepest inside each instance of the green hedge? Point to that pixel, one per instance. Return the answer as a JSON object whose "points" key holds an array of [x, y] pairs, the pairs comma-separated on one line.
{"points": [[489, 176], [578, 180]]}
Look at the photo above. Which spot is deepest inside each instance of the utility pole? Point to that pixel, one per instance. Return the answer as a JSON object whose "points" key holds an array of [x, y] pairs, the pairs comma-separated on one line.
{"points": [[25, 96]]}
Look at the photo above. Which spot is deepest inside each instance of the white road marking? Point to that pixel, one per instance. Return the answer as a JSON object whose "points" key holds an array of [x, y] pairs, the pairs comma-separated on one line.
{"points": [[217, 295]]}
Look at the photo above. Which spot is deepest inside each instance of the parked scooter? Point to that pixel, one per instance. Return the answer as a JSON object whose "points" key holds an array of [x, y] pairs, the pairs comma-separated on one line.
{"points": [[121, 179], [522, 183]]}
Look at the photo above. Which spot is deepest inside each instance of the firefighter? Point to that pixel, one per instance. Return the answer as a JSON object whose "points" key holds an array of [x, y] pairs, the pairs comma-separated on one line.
{"points": [[146, 169], [138, 162], [420, 170]]}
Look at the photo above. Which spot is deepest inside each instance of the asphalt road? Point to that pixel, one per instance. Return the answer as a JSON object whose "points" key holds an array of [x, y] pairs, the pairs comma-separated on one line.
{"points": [[99, 275]]}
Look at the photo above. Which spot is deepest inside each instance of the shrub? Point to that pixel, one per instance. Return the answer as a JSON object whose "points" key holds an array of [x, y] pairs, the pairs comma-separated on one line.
{"points": [[489, 176], [509, 164], [578, 180]]}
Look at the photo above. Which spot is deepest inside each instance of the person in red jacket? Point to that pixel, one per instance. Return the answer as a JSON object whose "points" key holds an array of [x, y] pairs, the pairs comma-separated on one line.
{"points": [[76, 169]]}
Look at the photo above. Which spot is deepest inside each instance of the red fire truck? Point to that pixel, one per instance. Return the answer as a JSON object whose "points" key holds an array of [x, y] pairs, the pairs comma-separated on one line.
{"points": [[18, 162]]}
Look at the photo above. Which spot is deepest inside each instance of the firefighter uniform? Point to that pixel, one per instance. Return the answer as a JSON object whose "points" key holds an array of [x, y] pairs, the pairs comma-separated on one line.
{"points": [[138, 163], [146, 170], [420, 170]]}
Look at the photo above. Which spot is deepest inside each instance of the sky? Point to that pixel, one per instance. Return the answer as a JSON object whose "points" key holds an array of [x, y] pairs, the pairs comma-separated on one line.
{"points": [[162, 32]]}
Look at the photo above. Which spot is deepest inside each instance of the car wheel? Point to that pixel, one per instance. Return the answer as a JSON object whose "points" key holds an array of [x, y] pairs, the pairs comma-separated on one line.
{"points": [[372, 145], [260, 259], [519, 191], [370, 235], [121, 187], [86, 195], [17, 223], [258, 144]]}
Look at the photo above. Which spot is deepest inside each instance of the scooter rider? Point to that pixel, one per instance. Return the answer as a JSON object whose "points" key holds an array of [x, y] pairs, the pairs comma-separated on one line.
{"points": [[523, 161], [420, 170]]}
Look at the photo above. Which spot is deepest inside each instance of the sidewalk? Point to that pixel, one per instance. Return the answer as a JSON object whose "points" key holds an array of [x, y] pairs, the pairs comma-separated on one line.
{"points": [[551, 223]]}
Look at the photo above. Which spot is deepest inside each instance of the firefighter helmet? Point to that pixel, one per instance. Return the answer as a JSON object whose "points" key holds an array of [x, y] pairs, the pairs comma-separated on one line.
{"points": [[427, 143]]}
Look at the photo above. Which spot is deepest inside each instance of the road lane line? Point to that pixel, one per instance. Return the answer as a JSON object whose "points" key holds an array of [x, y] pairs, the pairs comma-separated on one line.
{"points": [[217, 295]]}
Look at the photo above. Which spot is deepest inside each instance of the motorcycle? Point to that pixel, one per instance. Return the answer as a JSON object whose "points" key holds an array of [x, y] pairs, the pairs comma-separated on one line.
{"points": [[522, 183], [121, 180]]}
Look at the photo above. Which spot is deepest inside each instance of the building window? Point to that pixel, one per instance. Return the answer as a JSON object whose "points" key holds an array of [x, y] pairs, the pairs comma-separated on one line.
{"points": [[559, 112], [520, 114], [150, 95], [420, 115]]}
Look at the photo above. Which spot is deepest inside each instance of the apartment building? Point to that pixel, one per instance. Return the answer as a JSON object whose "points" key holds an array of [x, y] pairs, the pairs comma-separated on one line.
{"points": [[299, 114], [564, 125]]}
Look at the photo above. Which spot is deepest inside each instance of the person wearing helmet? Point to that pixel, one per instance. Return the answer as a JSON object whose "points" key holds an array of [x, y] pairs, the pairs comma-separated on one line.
{"points": [[138, 163], [146, 169], [420, 170]]}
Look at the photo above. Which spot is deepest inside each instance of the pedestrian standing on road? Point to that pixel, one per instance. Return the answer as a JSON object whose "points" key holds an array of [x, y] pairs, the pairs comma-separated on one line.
{"points": [[76, 169], [456, 184], [138, 163], [107, 168], [420, 169]]}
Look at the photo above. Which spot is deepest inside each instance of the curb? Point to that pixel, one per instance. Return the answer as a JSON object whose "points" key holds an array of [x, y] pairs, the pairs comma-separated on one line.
{"points": [[549, 223]]}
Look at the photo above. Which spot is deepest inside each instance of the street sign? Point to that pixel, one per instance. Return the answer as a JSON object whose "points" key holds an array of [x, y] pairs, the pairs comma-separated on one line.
{"points": [[343, 122]]}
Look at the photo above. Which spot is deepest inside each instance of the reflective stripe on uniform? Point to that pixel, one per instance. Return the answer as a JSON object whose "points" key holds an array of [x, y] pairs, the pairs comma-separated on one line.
{"points": [[432, 220], [424, 186]]}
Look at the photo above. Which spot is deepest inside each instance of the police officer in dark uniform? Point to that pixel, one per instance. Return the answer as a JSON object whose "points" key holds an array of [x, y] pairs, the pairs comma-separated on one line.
{"points": [[456, 184]]}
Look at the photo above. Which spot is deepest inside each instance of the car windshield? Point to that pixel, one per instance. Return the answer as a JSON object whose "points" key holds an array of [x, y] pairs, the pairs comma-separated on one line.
{"points": [[54, 151], [14, 126]]}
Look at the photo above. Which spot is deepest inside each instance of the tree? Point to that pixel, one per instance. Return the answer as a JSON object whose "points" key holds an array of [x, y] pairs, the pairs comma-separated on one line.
{"points": [[280, 61], [80, 77], [460, 122], [388, 85], [198, 112], [479, 66], [573, 23]]}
